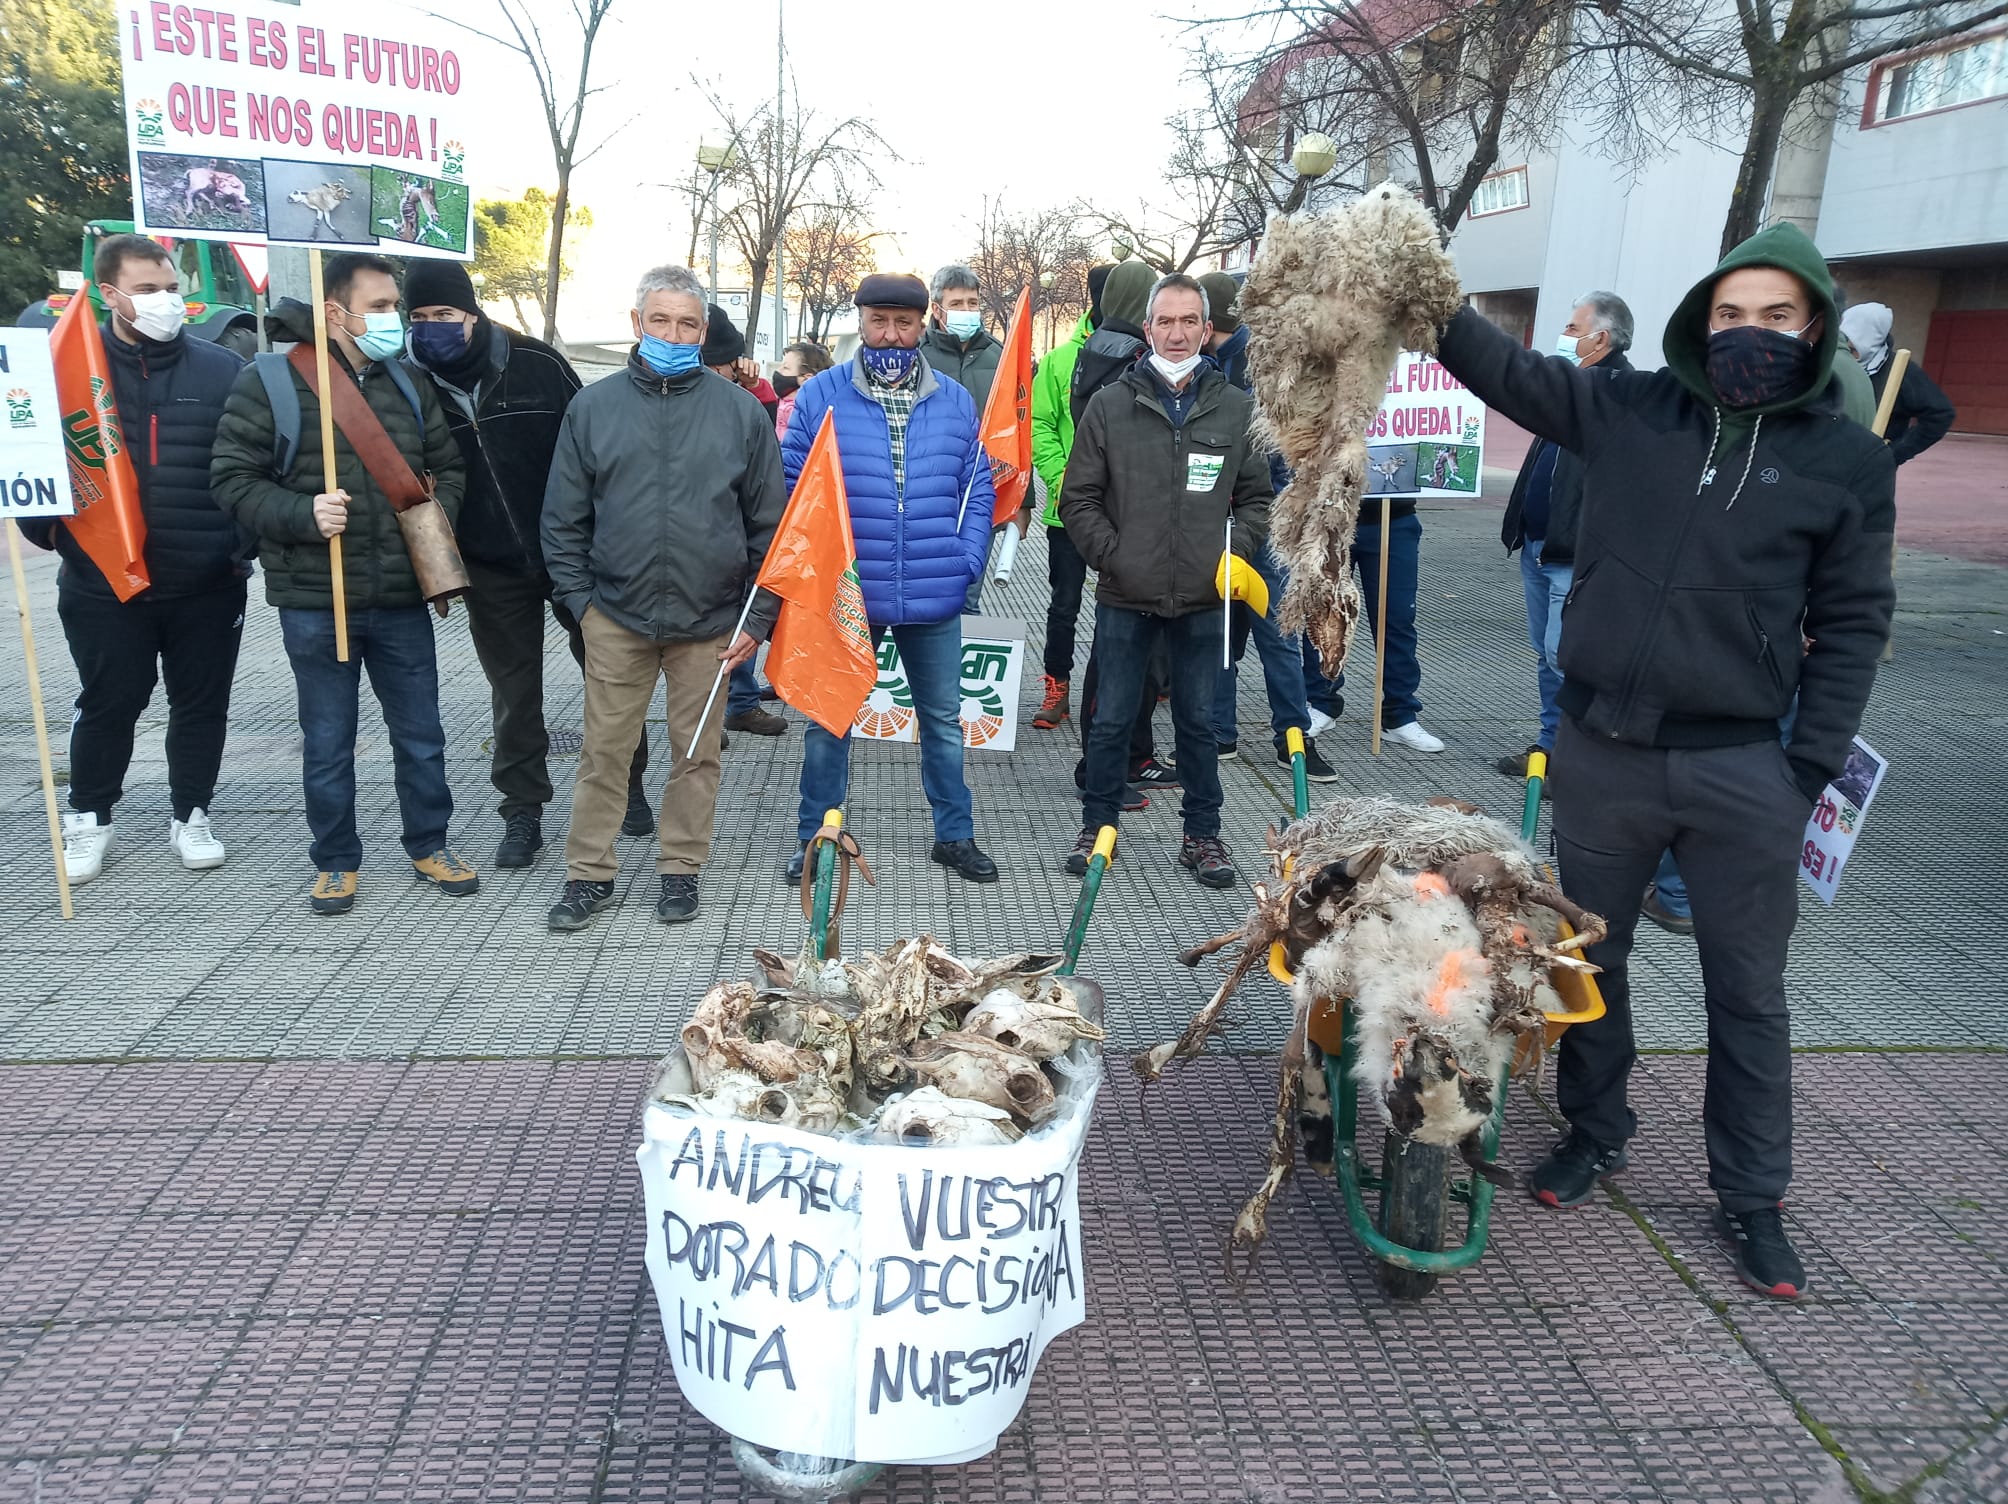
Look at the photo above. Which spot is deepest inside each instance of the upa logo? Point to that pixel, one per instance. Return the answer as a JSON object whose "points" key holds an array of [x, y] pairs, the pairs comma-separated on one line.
{"points": [[984, 668], [454, 163], [20, 408], [149, 122], [887, 713], [91, 435]]}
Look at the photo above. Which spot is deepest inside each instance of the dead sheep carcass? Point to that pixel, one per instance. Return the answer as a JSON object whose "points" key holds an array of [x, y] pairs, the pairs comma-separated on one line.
{"points": [[1331, 301], [1436, 921]]}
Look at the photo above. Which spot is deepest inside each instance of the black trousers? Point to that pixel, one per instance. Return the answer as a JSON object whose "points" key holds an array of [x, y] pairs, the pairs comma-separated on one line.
{"points": [[1143, 735], [1067, 572], [1735, 820], [121, 652]]}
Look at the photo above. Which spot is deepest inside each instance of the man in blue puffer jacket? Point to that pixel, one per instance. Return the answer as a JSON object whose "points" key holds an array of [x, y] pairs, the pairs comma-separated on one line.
{"points": [[920, 499]]}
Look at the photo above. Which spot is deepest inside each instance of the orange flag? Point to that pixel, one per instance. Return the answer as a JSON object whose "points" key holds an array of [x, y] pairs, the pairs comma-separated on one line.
{"points": [[108, 524], [1007, 416], [820, 654]]}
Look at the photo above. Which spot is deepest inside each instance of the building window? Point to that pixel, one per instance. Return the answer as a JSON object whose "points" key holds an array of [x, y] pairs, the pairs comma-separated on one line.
{"points": [[1963, 74], [1498, 193]]}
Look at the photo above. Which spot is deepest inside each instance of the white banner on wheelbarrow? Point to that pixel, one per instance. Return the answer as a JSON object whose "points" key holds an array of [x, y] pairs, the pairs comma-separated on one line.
{"points": [[863, 1301]]}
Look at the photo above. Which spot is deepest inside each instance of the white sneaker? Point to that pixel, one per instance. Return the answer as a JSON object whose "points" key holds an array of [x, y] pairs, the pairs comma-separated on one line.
{"points": [[194, 842], [85, 843], [1413, 737], [1320, 724]]}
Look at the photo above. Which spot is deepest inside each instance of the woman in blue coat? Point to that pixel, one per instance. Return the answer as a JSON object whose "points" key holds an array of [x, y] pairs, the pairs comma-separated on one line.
{"points": [[920, 499]]}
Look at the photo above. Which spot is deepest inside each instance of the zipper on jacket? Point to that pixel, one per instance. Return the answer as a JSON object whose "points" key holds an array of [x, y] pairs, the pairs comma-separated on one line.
{"points": [[501, 497], [1636, 668], [153, 439]]}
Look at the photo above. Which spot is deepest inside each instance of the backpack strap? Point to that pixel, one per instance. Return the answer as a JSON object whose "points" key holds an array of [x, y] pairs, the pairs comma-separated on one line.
{"points": [[401, 379], [284, 399]]}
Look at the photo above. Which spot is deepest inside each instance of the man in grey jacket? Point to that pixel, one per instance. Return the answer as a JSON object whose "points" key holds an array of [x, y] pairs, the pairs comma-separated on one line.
{"points": [[664, 494]]}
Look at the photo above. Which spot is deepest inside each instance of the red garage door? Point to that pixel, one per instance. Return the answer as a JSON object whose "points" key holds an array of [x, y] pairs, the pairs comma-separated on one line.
{"points": [[1967, 354]]}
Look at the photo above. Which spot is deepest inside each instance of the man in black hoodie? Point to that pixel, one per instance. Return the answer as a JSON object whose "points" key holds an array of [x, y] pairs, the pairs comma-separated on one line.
{"points": [[1733, 551], [505, 395], [188, 622]]}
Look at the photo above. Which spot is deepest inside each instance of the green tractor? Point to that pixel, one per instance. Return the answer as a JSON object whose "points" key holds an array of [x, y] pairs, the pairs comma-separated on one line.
{"points": [[220, 300]]}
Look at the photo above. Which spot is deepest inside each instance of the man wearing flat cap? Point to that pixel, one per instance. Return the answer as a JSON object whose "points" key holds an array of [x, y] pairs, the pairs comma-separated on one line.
{"points": [[920, 500]]}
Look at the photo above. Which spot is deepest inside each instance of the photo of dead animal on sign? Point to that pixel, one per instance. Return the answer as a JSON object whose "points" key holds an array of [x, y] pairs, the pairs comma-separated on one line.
{"points": [[203, 193], [1391, 470], [318, 203], [428, 212]]}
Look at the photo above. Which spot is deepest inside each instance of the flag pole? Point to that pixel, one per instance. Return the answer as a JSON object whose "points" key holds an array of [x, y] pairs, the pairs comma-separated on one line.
{"points": [[41, 723], [1380, 621], [712, 698], [335, 580], [1227, 596], [963, 510]]}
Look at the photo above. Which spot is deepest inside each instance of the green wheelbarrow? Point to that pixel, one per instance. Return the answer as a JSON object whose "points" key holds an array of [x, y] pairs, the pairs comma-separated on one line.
{"points": [[1414, 1183]]}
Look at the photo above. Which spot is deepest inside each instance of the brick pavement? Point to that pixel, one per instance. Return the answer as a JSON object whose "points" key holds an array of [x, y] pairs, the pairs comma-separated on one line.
{"points": [[300, 1210]]}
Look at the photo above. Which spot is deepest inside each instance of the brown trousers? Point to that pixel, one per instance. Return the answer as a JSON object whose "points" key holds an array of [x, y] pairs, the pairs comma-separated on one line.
{"points": [[621, 671]]}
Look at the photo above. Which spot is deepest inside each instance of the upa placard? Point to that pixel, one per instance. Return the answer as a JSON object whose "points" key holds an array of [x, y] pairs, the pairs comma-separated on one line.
{"points": [[1836, 822], [1428, 437], [300, 122], [34, 467], [993, 666]]}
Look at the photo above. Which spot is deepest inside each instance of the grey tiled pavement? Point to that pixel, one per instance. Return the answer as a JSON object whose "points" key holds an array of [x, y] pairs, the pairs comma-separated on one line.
{"points": [[299, 1210]]}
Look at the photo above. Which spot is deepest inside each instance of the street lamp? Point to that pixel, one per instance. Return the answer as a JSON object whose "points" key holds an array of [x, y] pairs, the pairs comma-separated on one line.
{"points": [[1121, 249], [714, 160], [1316, 155]]}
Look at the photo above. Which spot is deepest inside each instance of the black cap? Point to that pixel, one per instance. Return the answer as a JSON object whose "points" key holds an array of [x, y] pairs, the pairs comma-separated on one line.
{"points": [[723, 343], [886, 290], [439, 284]]}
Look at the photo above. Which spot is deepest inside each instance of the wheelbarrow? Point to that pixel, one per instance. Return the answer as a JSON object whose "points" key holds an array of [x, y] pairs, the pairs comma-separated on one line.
{"points": [[1414, 1183], [795, 1475]]}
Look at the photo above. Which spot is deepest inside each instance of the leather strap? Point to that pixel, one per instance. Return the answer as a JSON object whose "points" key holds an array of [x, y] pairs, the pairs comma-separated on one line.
{"points": [[366, 434], [847, 853]]}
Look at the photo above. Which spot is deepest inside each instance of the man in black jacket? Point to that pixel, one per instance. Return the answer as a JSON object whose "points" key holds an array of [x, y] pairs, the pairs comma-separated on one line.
{"points": [[1923, 414], [1162, 461], [1546, 501], [1731, 515], [505, 395], [170, 390]]}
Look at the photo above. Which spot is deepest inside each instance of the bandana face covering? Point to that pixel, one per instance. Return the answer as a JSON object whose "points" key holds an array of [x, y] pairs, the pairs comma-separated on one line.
{"points": [[1753, 367], [890, 366]]}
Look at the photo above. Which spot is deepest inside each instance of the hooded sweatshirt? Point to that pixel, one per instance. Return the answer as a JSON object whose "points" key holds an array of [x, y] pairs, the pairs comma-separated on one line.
{"points": [[1118, 337], [1712, 539]]}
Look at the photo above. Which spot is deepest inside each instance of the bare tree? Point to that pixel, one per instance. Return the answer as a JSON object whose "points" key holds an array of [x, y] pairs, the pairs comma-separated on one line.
{"points": [[829, 251], [1750, 66], [779, 168], [1046, 252], [564, 103]]}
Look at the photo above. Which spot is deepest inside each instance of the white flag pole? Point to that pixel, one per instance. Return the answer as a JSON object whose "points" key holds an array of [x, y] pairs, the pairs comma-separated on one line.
{"points": [[1227, 597], [712, 698], [963, 510]]}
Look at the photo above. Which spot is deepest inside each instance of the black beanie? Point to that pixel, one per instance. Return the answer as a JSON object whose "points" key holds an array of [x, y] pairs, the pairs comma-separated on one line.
{"points": [[439, 284], [723, 343]]}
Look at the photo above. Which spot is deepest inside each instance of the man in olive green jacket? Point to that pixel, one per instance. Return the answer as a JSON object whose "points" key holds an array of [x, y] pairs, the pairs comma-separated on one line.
{"points": [[266, 471]]}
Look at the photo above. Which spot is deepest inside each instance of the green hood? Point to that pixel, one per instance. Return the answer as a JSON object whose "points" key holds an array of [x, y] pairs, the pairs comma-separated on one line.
{"points": [[1127, 292], [1686, 339]]}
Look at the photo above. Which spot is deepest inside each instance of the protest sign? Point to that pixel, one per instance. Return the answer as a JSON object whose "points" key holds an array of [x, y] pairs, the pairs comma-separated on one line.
{"points": [[993, 664], [300, 122], [1836, 821], [874, 1302], [1428, 437], [34, 467]]}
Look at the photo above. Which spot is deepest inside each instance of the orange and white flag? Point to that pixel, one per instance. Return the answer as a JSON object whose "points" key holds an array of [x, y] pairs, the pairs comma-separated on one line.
{"points": [[108, 524]]}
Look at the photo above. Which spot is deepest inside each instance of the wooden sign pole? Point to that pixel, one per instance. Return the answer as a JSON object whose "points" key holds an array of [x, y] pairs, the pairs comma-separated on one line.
{"points": [[41, 722], [1898, 364], [1380, 620], [328, 481]]}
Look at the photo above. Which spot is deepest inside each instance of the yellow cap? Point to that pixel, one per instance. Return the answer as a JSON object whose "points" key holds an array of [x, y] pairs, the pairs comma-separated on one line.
{"points": [[1293, 740], [1237, 580], [1105, 843], [1537, 765], [834, 818]]}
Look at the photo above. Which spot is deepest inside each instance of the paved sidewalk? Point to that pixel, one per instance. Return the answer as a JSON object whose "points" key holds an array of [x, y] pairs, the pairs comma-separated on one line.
{"points": [[301, 1210]]}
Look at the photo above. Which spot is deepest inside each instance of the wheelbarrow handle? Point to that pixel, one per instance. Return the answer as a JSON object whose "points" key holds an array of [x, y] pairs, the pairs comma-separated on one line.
{"points": [[826, 877], [1537, 777], [1099, 861], [1300, 772]]}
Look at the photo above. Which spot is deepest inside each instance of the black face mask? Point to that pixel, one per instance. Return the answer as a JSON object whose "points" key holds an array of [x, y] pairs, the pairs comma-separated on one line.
{"points": [[784, 384], [1753, 367]]}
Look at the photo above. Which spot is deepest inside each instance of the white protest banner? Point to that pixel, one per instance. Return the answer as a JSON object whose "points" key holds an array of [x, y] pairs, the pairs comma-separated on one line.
{"points": [[331, 123], [1836, 821], [873, 1302], [993, 665], [34, 469], [1428, 437]]}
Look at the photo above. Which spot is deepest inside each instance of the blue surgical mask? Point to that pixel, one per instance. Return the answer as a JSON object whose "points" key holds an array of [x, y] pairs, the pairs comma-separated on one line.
{"points": [[1566, 348], [383, 334], [440, 343], [889, 365], [668, 359], [963, 324]]}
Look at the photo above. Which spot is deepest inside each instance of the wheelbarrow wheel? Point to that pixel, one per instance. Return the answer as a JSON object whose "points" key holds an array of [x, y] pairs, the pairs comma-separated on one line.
{"points": [[1414, 1210]]}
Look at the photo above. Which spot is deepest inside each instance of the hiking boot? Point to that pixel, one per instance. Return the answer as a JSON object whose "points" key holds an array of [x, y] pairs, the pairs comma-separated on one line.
{"points": [[678, 903], [1569, 1175], [756, 722], [1762, 1253], [793, 871], [1153, 774], [576, 906], [640, 817], [1655, 909], [1053, 708], [446, 872], [86, 842], [1084, 847], [194, 842], [769, 692], [334, 893], [1514, 765], [966, 858], [1316, 769], [1208, 860], [522, 839]]}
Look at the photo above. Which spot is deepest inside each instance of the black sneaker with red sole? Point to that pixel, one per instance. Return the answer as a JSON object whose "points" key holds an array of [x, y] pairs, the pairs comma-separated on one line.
{"points": [[1763, 1255], [1568, 1176]]}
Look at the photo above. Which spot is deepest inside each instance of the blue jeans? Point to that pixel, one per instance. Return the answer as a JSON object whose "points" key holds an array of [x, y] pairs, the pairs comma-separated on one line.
{"points": [[1671, 886], [742, 689], [396, 647], [1547, 586], [1282, 661], [1399, 702], [1124, 641], [931, 653]]}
